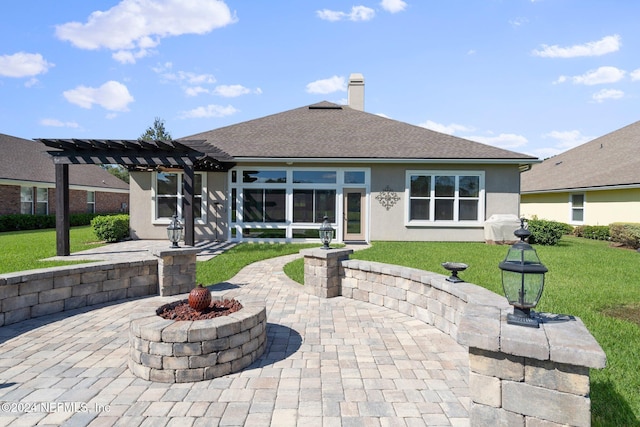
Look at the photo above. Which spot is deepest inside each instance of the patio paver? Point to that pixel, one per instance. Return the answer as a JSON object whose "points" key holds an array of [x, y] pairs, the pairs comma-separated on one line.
{"points": [[329, 362]]}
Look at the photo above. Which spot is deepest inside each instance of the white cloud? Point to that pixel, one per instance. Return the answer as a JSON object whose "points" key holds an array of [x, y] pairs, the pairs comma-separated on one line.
{"points": [[231, 91], [604, 94], [112, 96], [564, 140], [358, 13], [393, 6], [195, 90], [504, 140], [517, 22], [595, 77], [606, 45], [23, 64], [635, 74], [191, 83], [132, 27], [58, 123], [210, 110], [449, 129], [330, 85]]}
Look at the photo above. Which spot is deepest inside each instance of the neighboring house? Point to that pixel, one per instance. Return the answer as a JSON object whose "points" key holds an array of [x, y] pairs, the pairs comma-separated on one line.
{"points": [[27, 182], [596, 183], [373, 177]]}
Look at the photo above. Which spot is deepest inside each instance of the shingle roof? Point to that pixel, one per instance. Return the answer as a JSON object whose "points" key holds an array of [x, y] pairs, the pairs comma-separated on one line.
{"points": [[26, 160], [327, 130], [610, 160]]}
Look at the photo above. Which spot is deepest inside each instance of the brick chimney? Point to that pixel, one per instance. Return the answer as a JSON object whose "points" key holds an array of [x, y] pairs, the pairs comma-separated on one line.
{"points": [[355, 91]]}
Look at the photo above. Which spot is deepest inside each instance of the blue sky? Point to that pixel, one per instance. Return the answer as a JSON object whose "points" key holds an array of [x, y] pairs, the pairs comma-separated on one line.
{"points": [[537, 77]]}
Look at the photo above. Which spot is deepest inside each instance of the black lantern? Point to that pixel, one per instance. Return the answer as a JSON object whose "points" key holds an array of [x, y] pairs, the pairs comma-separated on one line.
{"points": [[174, 231], [326, 233], [522, 279]]}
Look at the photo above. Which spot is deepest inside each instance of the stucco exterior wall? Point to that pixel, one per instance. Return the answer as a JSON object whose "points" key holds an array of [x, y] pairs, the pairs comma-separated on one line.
{"points": [[601, 207], [551, 206], [502, 187], [144, 226], [501, 196]]}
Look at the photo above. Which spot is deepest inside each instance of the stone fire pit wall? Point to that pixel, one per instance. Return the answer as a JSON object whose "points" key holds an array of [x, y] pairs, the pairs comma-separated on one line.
{"points": [[187, 351], [517, 375]]}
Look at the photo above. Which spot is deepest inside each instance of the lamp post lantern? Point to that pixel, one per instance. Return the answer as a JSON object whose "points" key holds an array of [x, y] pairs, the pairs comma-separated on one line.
{"points": [[522, 279], [326, 233], [174, 231]]}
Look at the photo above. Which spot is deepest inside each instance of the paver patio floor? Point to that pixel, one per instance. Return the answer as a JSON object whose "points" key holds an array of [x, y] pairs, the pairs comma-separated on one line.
{"points": [[329, 362]]}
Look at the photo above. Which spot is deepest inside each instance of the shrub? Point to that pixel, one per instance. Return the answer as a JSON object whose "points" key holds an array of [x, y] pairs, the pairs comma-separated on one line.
{"points": [[626, 233], [596, 232], [545, 232], [111, 228], [17, 222]]}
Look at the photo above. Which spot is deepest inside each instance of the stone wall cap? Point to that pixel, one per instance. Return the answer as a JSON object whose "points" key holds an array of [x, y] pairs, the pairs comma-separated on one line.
{"points": [[169, 251], [326, 253], [570, 342]]}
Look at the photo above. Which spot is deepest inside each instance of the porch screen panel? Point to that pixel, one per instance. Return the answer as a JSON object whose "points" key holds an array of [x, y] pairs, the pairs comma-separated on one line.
{"points": [[275, 205], [252, 206], [264, 205], [302, 205], [325, 201]]}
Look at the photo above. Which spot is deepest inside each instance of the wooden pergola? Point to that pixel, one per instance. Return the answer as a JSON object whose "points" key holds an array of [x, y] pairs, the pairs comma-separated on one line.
{"points": [[189, 155]]}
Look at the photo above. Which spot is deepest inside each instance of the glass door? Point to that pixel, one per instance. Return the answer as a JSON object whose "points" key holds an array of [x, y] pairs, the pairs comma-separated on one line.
{"points": [[354, 214]]}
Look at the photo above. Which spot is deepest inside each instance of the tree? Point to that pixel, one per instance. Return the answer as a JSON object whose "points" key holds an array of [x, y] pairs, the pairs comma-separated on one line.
{"points": [[157, 132], [118, 171]]}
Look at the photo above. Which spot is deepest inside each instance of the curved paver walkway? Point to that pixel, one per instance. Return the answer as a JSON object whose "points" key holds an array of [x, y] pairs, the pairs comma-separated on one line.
{"points": [[329, 362]]}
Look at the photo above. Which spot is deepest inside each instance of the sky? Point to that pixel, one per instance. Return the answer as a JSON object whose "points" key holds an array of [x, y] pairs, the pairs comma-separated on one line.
{"points": [[533, 76]]}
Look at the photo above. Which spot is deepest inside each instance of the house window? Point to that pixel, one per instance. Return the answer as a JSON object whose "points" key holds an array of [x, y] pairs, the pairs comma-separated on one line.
{"points": [[91, 202], [42, 201], [26, 200], [169, 195], [577, 208], [439, 196]]}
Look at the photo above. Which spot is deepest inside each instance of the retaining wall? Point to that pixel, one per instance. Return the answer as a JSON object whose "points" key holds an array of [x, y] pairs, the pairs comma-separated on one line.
{"points": [[35, 293], [517, 375]]}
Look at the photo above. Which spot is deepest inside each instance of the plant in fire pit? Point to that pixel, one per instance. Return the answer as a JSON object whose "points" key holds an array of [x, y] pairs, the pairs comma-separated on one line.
{"points": [[199, 298]]}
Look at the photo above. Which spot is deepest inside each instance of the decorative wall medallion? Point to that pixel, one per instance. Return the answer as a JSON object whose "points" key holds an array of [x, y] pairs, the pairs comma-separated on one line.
{"points": [[388, 198]]}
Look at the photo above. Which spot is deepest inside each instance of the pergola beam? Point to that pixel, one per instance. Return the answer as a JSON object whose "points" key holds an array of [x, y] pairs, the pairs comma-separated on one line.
{"points": [[186, 154]]}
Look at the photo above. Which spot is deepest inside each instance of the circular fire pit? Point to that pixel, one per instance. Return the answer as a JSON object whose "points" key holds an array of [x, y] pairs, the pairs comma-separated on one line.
{"points": [[176, 351]]}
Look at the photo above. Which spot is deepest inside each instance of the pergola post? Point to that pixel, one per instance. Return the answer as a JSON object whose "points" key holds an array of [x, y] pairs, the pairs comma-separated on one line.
{"points": [[62, 210], [187, 213]]}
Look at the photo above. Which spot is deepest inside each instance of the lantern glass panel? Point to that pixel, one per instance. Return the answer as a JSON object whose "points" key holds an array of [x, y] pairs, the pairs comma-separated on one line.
{"points": [[522, 289]]}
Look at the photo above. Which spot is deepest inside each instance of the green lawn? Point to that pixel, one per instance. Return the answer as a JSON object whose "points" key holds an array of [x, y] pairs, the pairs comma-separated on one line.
{"points": [[226, 265], [587, 278], [23, 250]]}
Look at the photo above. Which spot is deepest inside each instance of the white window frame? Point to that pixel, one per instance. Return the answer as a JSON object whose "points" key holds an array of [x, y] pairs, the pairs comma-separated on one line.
{"points": [[432, 222], [573, 208], [289, 186], [154, 199]]}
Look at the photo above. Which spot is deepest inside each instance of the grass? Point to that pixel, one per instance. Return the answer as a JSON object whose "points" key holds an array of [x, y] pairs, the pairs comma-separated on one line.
{"points": [[226, 265], [586, 278], [23, 250]]}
